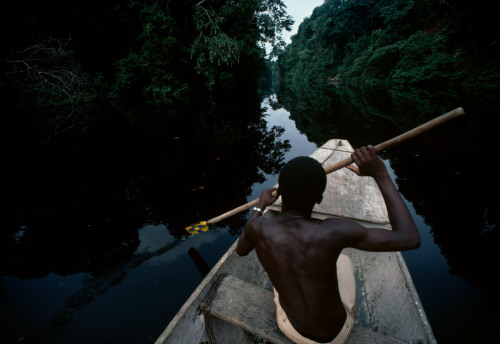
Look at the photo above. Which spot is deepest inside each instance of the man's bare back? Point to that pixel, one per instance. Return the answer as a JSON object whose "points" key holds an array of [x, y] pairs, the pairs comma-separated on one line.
{"points": [[300, 258], [300, 253]]}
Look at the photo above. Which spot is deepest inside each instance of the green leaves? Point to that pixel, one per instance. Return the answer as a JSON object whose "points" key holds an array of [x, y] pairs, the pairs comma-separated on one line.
{"points": [[57, 95], [152, 59], [213, 45], [227, 31], [379, 58], [152, 73]]}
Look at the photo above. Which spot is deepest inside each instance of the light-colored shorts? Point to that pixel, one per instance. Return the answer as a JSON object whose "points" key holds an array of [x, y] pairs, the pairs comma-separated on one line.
{"points": [[347, 289]]}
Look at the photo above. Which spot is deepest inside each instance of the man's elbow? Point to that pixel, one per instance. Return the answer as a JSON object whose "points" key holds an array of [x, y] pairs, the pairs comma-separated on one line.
{"points": [[413, 242], [416, 238], [240, 250]]}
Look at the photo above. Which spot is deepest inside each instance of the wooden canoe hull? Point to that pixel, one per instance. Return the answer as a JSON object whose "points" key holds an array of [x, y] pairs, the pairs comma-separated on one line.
{"points": [[386, 299]]}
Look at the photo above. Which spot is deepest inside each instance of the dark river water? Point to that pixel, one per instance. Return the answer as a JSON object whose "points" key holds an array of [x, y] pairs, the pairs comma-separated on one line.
{"points": [[101, 256]]}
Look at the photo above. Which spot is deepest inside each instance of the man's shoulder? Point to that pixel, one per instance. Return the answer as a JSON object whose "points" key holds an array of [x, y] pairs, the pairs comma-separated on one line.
{"points": [[259, 223], [339, 225], [336, 222]]}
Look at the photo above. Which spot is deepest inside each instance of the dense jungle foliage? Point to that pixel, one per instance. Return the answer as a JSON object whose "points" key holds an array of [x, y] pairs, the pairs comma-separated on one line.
{"points": [[397, 61], [74, 70]]}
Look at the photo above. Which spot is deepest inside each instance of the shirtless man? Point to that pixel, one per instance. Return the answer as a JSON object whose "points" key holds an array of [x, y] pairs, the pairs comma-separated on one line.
{"points": [[300, 254]]}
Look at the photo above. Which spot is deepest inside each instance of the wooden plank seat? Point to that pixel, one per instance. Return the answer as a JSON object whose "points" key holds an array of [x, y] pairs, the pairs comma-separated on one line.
{"points": [[252, 309]]}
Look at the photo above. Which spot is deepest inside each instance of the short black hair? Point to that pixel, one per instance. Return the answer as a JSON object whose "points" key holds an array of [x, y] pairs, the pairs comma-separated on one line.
{"points": [[302, 182]]}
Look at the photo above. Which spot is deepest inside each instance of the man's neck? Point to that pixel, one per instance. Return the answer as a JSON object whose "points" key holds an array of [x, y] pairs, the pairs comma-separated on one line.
{"points": [[296, 214]]}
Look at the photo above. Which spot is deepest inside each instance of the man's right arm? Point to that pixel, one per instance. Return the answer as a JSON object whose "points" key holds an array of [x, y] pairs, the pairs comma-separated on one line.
{"points": [[246, 241], [404, 234], [245, 244]]}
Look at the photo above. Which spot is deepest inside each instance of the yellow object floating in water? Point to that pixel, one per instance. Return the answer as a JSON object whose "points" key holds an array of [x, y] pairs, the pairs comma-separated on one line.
{"points": [[194, 229]]}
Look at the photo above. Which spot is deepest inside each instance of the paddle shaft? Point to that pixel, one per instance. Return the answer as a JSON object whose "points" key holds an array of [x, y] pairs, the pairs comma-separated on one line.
{"points": [[403, 137], [384, 145]]}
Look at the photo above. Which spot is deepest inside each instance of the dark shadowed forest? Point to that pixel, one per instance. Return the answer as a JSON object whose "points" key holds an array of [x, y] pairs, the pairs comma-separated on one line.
{"points": [[120, 115]]}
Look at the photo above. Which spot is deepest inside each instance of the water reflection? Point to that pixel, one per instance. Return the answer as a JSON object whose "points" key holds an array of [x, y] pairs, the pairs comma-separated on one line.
{"points": [[98, 217], [93, 221], [155, 242]]}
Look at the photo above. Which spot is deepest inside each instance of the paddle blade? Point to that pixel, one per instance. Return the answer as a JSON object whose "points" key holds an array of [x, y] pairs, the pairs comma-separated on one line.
{"points": [[197, 227]]}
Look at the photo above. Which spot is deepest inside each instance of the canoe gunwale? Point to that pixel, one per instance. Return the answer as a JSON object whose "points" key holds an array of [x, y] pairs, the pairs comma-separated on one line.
{"points": [[416, 299], [197, 296]]}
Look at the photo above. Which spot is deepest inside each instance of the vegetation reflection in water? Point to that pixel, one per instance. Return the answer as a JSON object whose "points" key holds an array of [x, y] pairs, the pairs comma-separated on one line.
{"points": [[192, 178], [89, 220]]}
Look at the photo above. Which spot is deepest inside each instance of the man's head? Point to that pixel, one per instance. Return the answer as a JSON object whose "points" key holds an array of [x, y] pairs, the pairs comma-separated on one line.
{"points": [[301, 183]]}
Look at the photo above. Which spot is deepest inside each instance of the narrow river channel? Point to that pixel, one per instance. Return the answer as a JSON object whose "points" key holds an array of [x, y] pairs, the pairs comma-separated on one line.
{"points": [[134, 300]]}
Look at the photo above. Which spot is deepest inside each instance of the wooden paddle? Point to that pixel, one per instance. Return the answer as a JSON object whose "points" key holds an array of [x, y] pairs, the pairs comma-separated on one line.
{"points": [[194, 229]]}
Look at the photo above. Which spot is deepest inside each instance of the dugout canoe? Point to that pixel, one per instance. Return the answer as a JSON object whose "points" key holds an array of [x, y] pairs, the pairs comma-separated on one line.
{"points": [[388, 308]]}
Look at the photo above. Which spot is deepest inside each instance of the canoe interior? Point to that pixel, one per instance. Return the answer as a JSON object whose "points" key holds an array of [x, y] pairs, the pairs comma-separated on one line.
{"points": [[386, 299]]}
